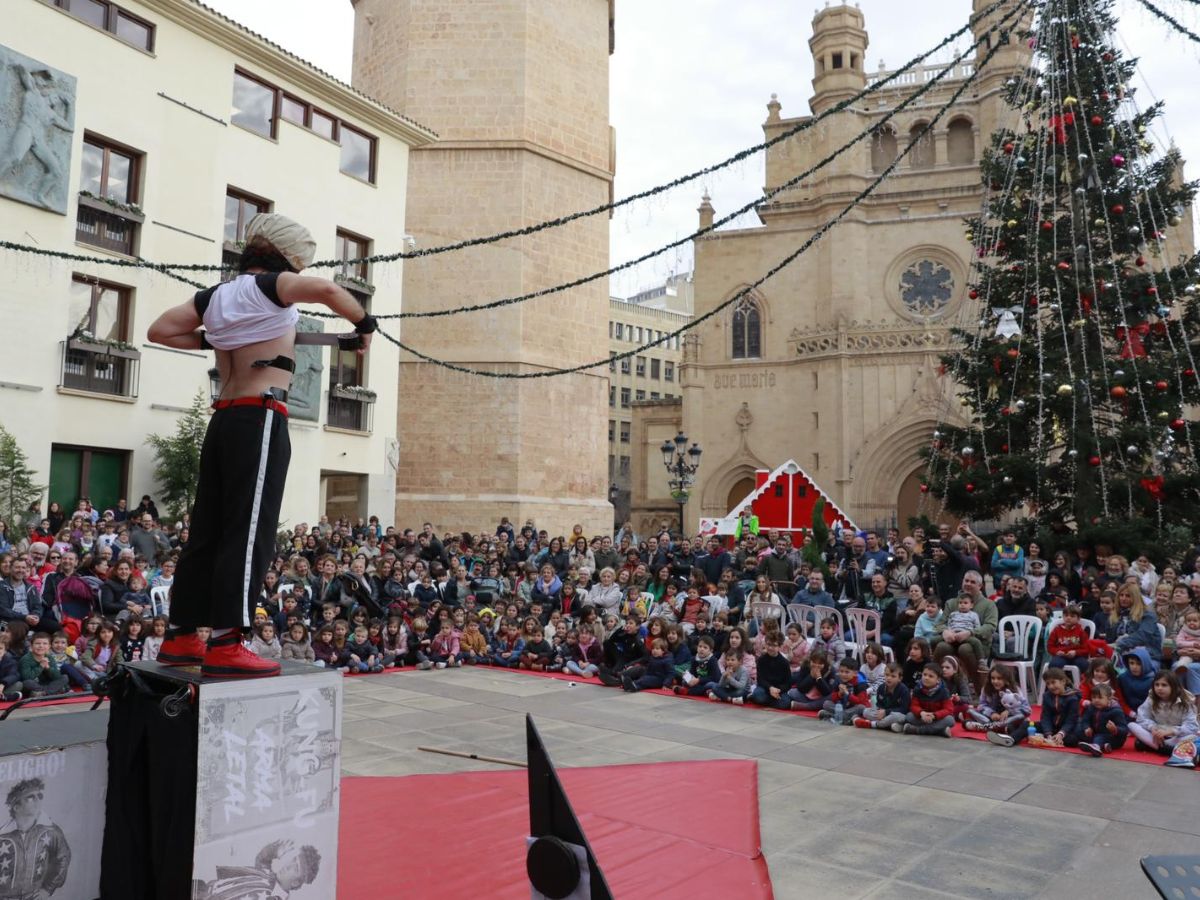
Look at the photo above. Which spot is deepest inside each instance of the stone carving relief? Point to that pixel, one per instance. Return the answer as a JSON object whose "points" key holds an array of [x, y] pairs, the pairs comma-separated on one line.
{"points": [[304, 399], [867, 337], [37, 121]]}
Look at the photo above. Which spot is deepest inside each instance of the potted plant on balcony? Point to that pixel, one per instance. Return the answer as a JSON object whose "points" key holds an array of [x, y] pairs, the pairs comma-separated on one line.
{"points": [[130, 211], [84, 341], [353, 392], [354, 284]]}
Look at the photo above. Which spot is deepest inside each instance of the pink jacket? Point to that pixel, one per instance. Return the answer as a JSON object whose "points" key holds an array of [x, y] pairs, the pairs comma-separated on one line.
{"points": [[445, 645]]}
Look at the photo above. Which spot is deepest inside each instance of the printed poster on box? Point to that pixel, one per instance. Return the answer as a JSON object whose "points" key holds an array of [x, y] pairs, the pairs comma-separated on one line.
{"points": [[267, 795], [52, 822]]}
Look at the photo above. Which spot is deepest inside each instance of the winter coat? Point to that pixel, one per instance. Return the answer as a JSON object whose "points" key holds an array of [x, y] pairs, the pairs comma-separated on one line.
{"points": [[301, 651], [936, 701], [1060, 713], [890, 701], [8, 599], [1151, 715], [1142, 633], [1098, 719], [1135, 690]]}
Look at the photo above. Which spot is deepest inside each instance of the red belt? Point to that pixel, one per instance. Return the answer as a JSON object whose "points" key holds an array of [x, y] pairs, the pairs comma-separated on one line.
{"points": [[268, 402]]}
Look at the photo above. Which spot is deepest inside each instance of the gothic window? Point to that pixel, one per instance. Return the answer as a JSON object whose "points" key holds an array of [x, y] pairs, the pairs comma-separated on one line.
{"points": [[747, 330], [926, 287], [960, 143]]}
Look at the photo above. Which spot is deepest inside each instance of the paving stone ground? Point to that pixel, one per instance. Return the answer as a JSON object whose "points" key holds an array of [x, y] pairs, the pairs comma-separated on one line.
{"points": [[844, 811]]}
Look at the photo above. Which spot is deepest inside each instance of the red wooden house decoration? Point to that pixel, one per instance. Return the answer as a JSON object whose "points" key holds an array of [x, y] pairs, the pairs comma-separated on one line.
{"points": [[784, 500]]}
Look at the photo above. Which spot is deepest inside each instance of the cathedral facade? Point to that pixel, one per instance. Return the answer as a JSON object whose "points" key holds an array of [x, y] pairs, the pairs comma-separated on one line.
{"points": [[835, 361]]}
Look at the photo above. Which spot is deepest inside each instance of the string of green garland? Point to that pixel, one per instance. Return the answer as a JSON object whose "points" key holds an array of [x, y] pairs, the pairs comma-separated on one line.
{"points": [[1171, 20]]}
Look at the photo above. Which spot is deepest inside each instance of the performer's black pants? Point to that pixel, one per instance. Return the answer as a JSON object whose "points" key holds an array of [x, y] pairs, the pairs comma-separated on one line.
{"points": [[243, 467]]}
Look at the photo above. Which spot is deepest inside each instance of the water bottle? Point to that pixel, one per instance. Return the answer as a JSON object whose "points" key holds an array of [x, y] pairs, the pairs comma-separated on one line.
{"points": [[839, 714], [1032, 731]]}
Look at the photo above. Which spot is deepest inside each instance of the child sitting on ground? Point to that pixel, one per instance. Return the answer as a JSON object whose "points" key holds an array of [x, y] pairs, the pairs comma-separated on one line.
{"points": [[131, 639], [1003, 711], [444, 648], [1165, 718], [1060, 712], [363, 657], [892, 700], [773, 674], [957, 685], [1135, 681], [264, 643], [419, 645], [152, 644], [812, 684], [930, 711], [1100, 670], [919, 655], [63, 655], [296, 645], [40, 674], [658, 672], [873, 668], [1103, 727], [394, 642], [734, 683], [537, 654], [10, 671], [849, 692], [325, 651], [1068, 641], [472, 645], [703, 672]]}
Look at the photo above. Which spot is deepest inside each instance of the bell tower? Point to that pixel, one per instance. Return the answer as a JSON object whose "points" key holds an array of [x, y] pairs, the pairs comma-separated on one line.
{"points": [[517, 91], [839, 47]]}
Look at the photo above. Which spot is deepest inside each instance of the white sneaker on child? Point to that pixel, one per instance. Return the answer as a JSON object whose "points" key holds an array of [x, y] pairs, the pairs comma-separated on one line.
{"points": [[441, 665]]}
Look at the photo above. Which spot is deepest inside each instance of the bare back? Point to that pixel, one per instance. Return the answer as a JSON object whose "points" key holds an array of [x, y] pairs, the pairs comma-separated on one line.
{"points": [[239, 378]]}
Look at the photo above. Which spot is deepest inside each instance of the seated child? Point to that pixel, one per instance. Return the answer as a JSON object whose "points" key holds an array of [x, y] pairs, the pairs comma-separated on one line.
{"points": [[325, 652], [296, 646], [795, 646], [10, 671], [735, 680], [1100, 670], [873, 668], [828, 642], [264, 643], [39, 672], [1103, 727], [930, 711], [538, 653], [812, 684], [919, 655], [1166, 717], [445, 646], [583, 654], [131, 639], [892, 700], [1003, 711], [773, 674], [692, 610], [929, 623], [420, 644], [958, 630], [849, 692], [472, 646], [1187, 640], [1135, 681], [678, 649], [659, 670], [1068, 641], [394, 642], [1060, 712], [63, 655], [362, 654], [957, 685], [150, 646], [702, 673]]}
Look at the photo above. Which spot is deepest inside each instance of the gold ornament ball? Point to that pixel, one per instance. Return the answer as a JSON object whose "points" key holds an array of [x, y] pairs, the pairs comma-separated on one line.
{"points": [[1065, 390], [1163, 416], [1013, 223], [1099, 223]]}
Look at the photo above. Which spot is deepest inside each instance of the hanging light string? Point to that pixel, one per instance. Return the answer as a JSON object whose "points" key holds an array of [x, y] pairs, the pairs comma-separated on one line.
{"points": [[741, 156], [985, 236], [1153, 230], [768, 195], [744, 292], [1171, 20]]}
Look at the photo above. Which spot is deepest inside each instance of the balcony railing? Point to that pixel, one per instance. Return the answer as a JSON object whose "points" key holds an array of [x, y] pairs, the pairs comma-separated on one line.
{"points": [[106, 227], [350, 410], [100, 368]]}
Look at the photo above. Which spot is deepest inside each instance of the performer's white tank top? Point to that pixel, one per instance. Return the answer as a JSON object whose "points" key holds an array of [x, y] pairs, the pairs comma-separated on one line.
{"points": [[244, 311]]}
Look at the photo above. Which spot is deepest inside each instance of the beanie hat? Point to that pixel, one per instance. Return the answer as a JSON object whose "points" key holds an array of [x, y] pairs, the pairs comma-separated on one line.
{"points": [[291, 239]]}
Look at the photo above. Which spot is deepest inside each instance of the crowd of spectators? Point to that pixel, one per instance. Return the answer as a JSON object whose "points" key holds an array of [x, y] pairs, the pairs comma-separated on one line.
{"points": [[712, 618]]}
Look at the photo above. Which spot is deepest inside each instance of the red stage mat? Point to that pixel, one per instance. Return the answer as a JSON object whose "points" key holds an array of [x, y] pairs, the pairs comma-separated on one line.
{"points": [[463, 835]]}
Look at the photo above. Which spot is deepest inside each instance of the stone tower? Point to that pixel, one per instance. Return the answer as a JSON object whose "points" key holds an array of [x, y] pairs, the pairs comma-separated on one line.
{"points": [[839, 48], [518, 92]]}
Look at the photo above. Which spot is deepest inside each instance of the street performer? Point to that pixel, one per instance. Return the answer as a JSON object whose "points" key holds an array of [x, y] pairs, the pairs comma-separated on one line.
{"points": [[250, 322]]}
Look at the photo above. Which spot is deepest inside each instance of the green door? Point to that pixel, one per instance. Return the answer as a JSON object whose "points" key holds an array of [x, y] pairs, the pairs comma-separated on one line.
{"points": [[106, 474], [66, 468]]}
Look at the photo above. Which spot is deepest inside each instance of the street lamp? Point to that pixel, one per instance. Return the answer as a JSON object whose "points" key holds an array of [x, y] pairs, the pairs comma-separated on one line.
{"points": [[681, 468]]}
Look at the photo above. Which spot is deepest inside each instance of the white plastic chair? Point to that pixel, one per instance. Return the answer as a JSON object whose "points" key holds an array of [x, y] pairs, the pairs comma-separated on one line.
{"points": [[763, 609], [1026, 639], [800, 614], [830, 612], [1075, 672], [867, 626], [160, 601]]}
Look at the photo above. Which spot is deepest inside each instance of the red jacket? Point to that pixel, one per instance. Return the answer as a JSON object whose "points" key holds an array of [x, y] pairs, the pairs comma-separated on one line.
{"points": [[937, 702], [1065, 638]]}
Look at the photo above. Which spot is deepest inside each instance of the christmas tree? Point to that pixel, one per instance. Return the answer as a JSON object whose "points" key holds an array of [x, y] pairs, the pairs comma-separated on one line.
{"points": [[1076, 377]]}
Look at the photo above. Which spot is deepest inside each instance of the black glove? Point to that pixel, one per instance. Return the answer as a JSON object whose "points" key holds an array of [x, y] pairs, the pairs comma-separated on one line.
{"points": [[368, 324]]}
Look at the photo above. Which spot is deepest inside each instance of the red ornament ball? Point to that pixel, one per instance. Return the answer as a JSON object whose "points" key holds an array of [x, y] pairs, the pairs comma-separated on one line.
{"points": [[969, 487], [1140, 261], [1004, 448], [1013, 352], [1161, 385], [1118, 392], [974, 294], [1189, 373], [1178, 424], [1097, 121], [1010, 148], [924, 489], [1047, 226], [1118, 210], [1064, 266], [1093, 460], [1152, 292]]}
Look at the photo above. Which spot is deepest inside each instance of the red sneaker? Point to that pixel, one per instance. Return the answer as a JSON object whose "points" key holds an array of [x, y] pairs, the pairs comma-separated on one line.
{"points": [[182, 650], [227, 658]]}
